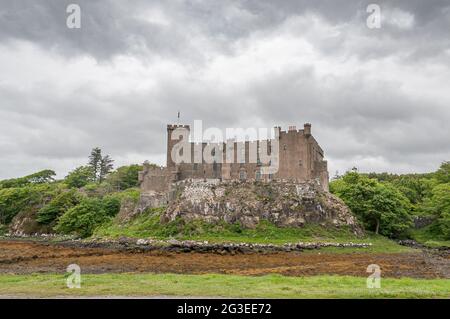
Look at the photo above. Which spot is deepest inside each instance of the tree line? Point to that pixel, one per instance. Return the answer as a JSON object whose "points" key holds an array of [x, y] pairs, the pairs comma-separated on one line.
{"points": [[388, 203]]}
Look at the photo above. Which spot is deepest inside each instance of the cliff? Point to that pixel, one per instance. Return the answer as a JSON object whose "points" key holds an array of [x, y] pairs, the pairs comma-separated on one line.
{"points": [[285, 204]]}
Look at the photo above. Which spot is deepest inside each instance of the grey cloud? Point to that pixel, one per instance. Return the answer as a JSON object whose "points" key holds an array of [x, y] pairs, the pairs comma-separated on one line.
{"points": [[353, 115]]}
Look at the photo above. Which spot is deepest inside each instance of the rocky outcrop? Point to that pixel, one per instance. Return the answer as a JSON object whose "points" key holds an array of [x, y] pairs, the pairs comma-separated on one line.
{"points": [[25, 224], [286, 204]]}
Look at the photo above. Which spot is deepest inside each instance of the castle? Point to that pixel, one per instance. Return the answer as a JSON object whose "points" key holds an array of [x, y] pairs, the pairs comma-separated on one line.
{"points": [[299, 158]]}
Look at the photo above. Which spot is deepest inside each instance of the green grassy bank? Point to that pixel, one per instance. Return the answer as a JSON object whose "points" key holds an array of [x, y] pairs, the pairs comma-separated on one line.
{"points": [[271, 286]]}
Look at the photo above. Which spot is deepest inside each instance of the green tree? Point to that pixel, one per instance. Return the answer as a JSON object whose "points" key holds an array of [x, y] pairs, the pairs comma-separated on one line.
{"points": [[100, 165], [415, 188], [87, 215], [16, 199], [443, 173], [79, 177], [58, 206], [95, 161], [41, 177], [380, 206], [125, 177], [439, 206], [45, 176], [106, 166]]}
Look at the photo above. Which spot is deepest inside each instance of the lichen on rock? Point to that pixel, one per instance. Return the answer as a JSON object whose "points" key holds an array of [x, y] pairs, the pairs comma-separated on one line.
{"points": [[285, 204]]}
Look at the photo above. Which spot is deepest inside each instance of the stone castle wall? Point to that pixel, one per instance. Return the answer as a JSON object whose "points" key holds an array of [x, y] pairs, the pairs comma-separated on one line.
{"points": [[300, 159]]}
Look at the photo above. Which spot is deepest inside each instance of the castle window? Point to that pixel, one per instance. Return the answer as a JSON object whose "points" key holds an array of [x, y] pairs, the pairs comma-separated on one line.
{"points": [[195, 166], [300, 163], [214, 166], [242, 157], [242, 175], [284, 147], [270, 177], [258, 175]]}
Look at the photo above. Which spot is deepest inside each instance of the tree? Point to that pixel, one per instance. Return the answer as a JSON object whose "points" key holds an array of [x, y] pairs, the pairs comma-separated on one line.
{"points": [[87, 215], [443, 173], [80, 177], [125, 177], [17, 199], [106, 166], [380, 206], [58, 206], [100, 165], [41, 177], [95, 160], [439, 206]]}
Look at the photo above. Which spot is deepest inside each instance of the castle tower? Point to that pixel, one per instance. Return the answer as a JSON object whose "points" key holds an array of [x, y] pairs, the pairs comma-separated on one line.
{"points": [[173, 137], [307, 129]]}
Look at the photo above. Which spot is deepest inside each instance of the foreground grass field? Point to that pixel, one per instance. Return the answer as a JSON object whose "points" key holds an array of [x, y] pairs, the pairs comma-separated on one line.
{"points": [[213, 285]]}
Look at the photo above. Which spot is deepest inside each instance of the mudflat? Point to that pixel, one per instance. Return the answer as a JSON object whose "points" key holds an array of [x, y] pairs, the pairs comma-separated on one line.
{"points": [[25, 257]]}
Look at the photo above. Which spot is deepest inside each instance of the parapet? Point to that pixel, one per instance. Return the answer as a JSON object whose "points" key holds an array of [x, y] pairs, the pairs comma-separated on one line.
{"points": [[175, 126]]}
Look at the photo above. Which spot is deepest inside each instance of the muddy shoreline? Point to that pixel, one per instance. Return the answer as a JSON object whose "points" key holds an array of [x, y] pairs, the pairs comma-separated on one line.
{"points": [[26, 257]]}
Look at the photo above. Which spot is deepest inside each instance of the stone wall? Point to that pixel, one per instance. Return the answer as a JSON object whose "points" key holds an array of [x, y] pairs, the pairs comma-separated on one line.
{"points": [[156, 179], [300, 159]]}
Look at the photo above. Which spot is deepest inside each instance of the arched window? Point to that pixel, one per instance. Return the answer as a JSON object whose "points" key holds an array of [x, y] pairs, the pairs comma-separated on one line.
{"points": [[258, 175], [242, 175]]}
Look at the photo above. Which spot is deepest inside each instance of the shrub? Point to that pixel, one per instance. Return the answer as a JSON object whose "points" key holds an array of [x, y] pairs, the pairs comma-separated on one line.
{"points": [[87, 215], [14, 200], [111, 205], [58, 206]]}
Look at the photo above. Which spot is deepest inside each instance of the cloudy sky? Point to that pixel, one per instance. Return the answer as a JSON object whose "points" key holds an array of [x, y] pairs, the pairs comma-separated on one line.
{"points": [[378, 99]]}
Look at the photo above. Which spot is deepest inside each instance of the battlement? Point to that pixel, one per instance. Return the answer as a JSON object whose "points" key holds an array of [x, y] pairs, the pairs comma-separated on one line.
{"points": [[175, 126], [292, 129], [297, 157]]}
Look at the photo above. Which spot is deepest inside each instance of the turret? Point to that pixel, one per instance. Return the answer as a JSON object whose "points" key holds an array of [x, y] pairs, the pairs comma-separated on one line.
{"points": [[171, 142], [307, 129]]}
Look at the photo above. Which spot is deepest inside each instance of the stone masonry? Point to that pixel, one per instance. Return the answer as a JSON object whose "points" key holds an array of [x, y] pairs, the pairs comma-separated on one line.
{"points": [[300, 159]]}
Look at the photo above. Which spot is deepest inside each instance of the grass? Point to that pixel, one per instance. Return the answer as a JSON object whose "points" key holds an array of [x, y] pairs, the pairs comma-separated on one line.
{"points": [[427, 238], [215, 285], [147, 225]]}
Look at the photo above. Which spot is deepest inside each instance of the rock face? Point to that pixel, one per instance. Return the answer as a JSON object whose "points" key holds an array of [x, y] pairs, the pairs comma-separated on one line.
{"points": [[25, 224], [286, 204]]}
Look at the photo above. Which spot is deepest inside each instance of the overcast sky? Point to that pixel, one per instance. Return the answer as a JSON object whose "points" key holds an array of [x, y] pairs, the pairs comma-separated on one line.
{"points": [[378, 99]]}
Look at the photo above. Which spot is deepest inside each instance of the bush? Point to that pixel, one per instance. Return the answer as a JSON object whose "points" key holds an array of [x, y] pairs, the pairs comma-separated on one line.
{"points": [[58, 206], [3, 229], [87, 215], [14, 200], [111, 205]]}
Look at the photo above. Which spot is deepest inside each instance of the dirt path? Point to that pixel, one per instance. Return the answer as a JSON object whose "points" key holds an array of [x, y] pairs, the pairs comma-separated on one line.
{"points": [[31, 257]]}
